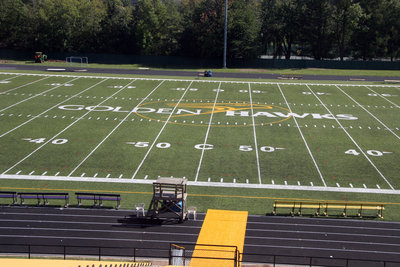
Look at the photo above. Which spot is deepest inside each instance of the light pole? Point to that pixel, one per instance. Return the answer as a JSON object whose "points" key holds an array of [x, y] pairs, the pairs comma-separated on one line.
{"points": [[225, 33]]}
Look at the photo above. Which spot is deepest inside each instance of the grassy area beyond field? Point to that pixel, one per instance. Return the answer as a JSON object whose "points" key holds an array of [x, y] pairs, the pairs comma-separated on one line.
{"points": [[307, 71]]}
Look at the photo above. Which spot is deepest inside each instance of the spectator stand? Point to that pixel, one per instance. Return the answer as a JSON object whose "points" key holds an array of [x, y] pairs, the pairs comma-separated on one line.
{"points": [[169, 199]]}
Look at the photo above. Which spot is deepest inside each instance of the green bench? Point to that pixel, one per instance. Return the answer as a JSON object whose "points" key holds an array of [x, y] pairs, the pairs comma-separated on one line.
{"points": [[322, 207]]}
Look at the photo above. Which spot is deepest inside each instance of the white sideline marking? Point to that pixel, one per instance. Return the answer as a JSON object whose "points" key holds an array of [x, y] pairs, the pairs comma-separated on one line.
{"points": [[162, 129], [351, 138], [55, 136], [378, 186], [205, 184], [146, 176], [83, 174], [22, 124], [23, 85], [95, 175], [304, 140], [120, 176], [44, 173], [29, 98], [387, 128], [108, 175], [57, 173], [394, 104], [190, 80], [112, 131], [206, 137], [255, 136], [31, 172], [18, 172], [351, 185]]}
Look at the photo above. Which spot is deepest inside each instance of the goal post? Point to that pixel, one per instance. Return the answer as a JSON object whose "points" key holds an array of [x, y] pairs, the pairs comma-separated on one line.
{"points": [[74, 60]]}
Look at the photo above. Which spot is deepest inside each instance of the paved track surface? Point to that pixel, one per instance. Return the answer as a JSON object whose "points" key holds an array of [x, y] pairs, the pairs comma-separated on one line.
{"points": [[302, 237], [194, 74]]}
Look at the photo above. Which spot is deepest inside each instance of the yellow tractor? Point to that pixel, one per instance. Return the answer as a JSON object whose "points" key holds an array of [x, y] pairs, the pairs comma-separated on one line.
{"points": [[40, 57]]}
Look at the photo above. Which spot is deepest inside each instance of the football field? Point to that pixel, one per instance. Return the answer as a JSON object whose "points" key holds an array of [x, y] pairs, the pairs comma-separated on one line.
{"points": [[223, 134]]}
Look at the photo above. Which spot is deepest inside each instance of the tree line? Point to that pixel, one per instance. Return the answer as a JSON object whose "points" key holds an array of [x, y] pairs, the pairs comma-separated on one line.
{"points": [[321, 29]]}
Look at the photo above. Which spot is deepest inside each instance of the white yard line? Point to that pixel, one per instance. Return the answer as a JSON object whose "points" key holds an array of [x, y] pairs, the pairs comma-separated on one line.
{"points": [[208, 130], [255, 136], [5, 92], [55, 136], [394, 104], [304, 140], [351, 138], [36, 95], [372, 115], [205, 184], [7, 79], [191, 80], [162, 129], [56, 105], [116, 127]]}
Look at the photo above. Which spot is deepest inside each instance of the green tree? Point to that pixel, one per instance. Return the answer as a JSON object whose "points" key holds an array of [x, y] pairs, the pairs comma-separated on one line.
{"points": [[270, 27], [86, 28], [391, 28], [317, 28], [243, 29], [346, 17], [157, 27], [13, 23], [116, 28], [367, 40]]}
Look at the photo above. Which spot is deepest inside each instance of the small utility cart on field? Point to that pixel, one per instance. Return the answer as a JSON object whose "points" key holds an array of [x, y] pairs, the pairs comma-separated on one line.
{"points": [[40, 57]]}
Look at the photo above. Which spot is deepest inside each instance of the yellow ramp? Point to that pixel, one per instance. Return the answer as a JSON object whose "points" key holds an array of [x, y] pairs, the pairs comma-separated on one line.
{"points": [[220, 227]]}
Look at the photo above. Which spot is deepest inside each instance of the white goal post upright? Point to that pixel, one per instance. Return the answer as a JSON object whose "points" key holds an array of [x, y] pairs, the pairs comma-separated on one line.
{"points": [[82, 61]]}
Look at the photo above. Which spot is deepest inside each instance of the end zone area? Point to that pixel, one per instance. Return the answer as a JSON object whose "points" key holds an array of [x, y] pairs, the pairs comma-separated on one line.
{"points": [[295, 139]]}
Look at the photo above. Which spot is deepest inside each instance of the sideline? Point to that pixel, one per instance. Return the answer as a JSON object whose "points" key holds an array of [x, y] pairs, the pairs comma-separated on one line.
{"points": [[98, 76], [189, 194]]}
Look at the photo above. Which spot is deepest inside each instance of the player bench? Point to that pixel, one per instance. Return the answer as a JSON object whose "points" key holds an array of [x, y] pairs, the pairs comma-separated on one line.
{"points": [[45, 197], [11, 195], [98, 198], [323, 207]]}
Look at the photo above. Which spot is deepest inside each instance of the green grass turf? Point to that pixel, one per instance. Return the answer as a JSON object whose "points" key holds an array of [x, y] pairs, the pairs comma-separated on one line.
{"points": [[57, 144]]}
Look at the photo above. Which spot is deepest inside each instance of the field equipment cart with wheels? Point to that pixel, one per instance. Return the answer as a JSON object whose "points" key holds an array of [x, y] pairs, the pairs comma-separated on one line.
{"points": [[40, 57]]}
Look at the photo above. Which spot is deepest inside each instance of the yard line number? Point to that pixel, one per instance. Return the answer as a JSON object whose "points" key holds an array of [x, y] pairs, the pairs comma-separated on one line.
{"points": [[375, 153], [42, 140], [245, 148]]}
